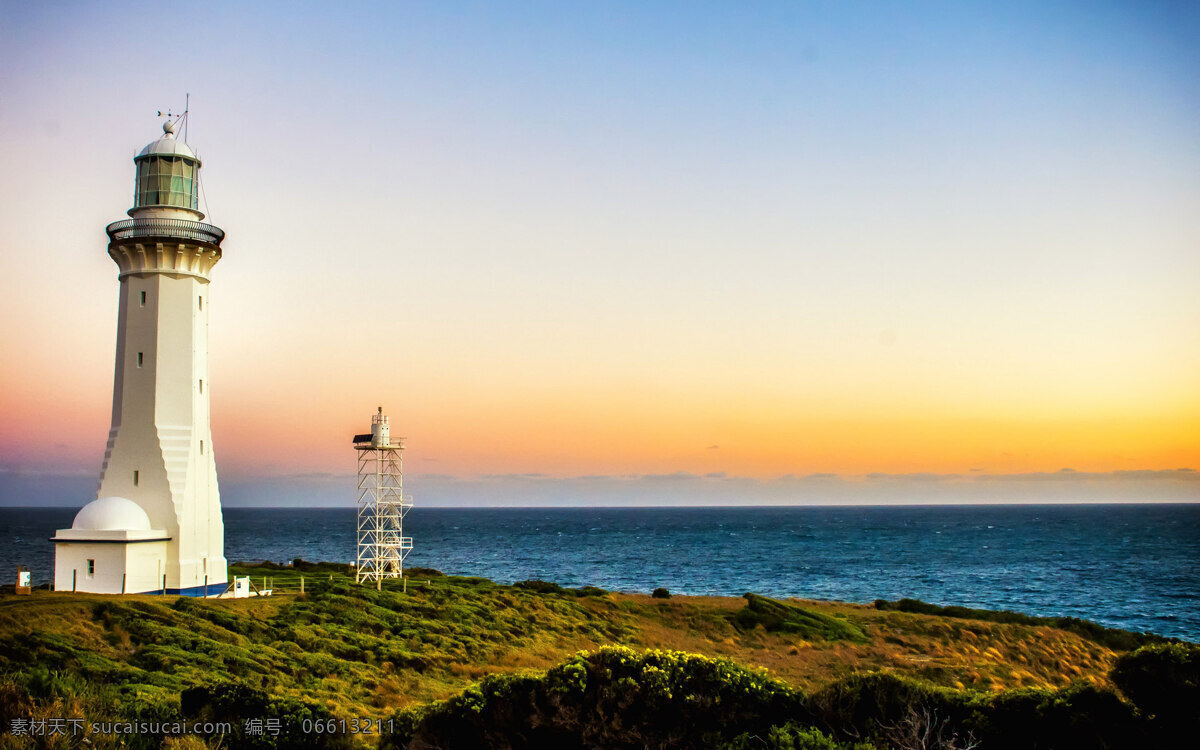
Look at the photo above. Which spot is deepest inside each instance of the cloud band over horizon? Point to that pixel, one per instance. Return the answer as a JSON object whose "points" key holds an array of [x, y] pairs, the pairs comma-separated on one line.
{"points": [[25, 489]]}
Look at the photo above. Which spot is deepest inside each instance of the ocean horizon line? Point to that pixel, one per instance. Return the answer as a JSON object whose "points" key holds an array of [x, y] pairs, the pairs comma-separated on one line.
{"points": [[681, 506]]}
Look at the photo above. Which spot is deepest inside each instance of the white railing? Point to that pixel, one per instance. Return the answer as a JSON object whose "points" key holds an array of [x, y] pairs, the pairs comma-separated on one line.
{"points": [[176, 228]]}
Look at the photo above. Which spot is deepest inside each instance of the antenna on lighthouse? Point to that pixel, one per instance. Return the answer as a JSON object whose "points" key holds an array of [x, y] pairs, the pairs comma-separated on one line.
{"points": [[178, 119]]}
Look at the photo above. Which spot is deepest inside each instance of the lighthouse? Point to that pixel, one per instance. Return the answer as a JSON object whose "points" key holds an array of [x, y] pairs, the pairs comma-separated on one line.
{"points": [[155, 525]]}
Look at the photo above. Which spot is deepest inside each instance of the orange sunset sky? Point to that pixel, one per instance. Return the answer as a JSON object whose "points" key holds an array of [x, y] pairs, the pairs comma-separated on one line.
{"points": [[583, 254]]}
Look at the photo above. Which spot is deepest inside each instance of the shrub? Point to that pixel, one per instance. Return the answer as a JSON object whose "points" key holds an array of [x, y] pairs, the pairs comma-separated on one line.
{"points": [[1114, 638], [237, 703], [790, 737], [424, 573], [186, 604], [898, 712], [881, 704], [15, 701], [1077, 718], [614, 698], [540, 587], [546, 587], [264, 564], [618, 698], [42, 682], [775, 615], [661, 593], [1163, 681]]}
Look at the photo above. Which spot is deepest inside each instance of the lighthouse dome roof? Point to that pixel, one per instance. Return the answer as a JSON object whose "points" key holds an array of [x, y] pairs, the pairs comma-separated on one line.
{"points": [[168, 145], [112, 513]]}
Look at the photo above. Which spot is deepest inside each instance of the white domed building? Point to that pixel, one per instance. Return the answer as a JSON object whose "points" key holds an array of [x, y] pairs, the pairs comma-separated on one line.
{"points": [[111, 549], [156, 526]]}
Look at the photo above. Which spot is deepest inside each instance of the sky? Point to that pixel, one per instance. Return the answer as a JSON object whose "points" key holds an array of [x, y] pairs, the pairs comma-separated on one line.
{"points": [[629, 253]]}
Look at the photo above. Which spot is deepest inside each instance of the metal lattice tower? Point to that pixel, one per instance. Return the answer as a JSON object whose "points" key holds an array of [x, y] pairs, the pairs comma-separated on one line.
{"points": [[382, 545]]}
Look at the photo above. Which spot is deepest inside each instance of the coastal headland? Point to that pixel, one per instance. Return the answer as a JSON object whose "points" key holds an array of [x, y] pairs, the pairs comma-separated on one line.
{"points": [[449, 661]]}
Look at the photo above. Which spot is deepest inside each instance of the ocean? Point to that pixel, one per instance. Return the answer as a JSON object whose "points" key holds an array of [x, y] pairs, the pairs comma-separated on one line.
{"points": [[1128, 566]]}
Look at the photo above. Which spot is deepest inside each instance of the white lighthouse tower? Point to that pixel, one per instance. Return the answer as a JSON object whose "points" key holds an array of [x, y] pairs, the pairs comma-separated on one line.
{"points": [[156, 525]]}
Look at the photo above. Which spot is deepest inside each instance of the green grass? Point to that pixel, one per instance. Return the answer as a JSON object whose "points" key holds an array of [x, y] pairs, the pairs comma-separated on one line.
{"points": [[1121, 640], [344, 650]]}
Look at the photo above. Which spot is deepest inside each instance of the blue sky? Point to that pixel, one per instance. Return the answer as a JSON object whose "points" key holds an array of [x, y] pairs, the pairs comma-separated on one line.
{"points": [[859, 239]]}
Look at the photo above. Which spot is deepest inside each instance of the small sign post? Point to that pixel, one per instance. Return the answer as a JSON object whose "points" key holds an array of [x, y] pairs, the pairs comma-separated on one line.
{"points": [[23, 583]]}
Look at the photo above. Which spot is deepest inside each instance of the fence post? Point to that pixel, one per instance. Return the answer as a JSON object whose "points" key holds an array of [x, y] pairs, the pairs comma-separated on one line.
{"points": [[74, 575], [301, 584], [205, 586], [123, 582]]}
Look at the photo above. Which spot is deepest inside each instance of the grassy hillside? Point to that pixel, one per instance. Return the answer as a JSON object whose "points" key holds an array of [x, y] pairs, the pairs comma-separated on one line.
{"points": [[343, 651]]}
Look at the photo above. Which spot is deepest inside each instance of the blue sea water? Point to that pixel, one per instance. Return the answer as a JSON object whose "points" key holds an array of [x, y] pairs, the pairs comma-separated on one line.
{"points": [[1129, 566]]}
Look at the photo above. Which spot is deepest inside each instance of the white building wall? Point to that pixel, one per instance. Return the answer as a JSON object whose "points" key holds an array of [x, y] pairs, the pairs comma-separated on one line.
{"points": [[140, 563], [144, 564], [161, 426], [71, 567]]}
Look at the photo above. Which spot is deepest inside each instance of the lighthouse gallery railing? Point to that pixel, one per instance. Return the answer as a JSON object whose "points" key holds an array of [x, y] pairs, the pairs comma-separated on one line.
{"points": [[178, 228]]}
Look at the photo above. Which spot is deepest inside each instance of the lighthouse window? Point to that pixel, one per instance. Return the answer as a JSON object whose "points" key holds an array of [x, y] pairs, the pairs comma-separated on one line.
{"points": [[143, 299], [140, 358], [91, 568], [201, 447], [201, 301], [202, 386], [135, 478], [167, 181]]}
